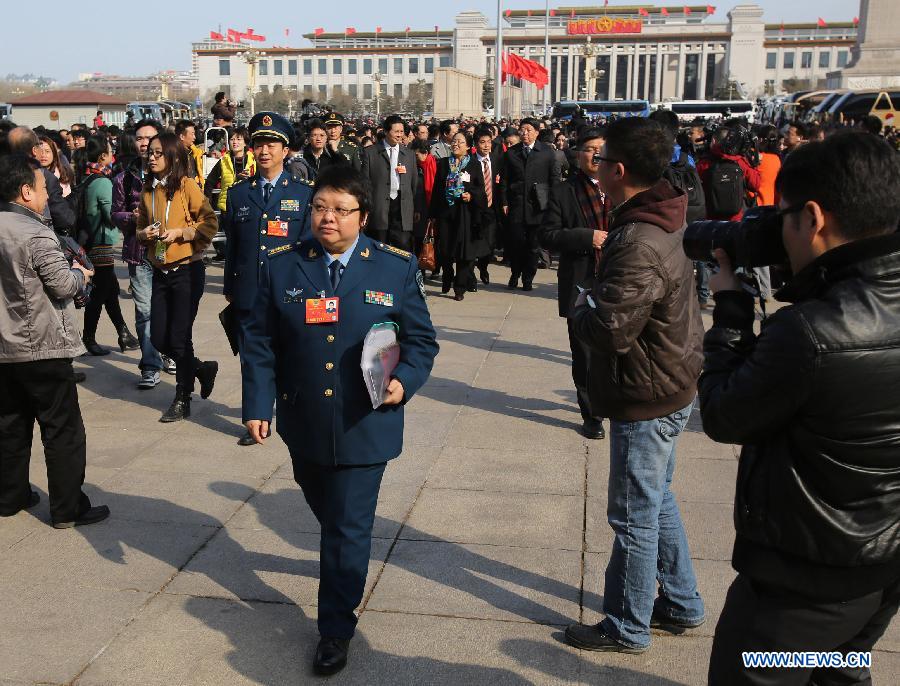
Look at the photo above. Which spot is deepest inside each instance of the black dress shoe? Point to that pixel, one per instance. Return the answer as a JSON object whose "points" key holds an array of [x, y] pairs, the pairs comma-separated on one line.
{"points": [[80, 377], [127, 340], [484, 276], [592, 637], [247, 439], [459, 296], [94, 349], [473, 288], [33, 499], [179, 409], [513, 282], [526, 286], [92, 516], [206, 375], [661, 622], [593, 429], [331, 656]]}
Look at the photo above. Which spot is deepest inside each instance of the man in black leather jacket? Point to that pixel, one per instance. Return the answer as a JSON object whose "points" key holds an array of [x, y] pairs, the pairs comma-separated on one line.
{"points": [[814, 400]]}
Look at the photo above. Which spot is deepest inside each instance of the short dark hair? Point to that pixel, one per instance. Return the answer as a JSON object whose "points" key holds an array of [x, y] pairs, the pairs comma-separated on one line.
{"points": [[466, 135], [483, 131], [800, 127], [314, 124], [343, 177], [446, 126], [79, 132], [183, 125], [531, 121], [15, 171], [392, 119], [872, 124], [419, 145], [853, 175], [666, 119], [641, 145], [149, 122], [590, 134], [96, 146], [220, 96], [241, 131]]}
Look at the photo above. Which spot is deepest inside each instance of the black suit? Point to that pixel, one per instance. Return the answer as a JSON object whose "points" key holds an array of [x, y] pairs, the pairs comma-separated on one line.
{"points": [[566, 229], [391, 221], [492, 219], [525, 190]]}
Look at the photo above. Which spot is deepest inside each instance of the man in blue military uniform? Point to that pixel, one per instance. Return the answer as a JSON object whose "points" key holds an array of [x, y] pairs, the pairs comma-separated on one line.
{"points": [[268, 210], [303, 345]]}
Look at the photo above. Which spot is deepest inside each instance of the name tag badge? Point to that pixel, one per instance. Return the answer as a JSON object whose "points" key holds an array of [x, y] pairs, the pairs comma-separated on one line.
{"points": [[322, 310], [290, 205], [277, 228]]}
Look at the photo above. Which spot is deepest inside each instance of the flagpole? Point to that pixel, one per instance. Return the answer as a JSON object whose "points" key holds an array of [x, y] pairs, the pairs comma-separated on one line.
{"points": [[498, 95], [546, 50]]}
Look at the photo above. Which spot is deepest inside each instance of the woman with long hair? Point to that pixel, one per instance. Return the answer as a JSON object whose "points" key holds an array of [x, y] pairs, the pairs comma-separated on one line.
{"points": [[177, 224], [126, 151], [99, 240], [49, 158], [234, 165]]}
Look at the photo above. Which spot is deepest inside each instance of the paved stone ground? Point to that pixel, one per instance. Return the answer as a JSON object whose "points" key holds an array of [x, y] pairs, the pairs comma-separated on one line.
{"points": [[490, 534]]}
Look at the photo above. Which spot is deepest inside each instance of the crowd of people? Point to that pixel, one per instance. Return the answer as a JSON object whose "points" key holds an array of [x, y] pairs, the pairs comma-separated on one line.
{"points": [[325, 220]]}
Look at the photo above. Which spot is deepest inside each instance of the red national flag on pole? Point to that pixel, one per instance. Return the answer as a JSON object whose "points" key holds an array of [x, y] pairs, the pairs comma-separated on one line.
{"points": [[782, 27], [643, 12], [687, 10], [287, 32], [407, 29], [318, 31], [529, 13], [821, 23], [710, 9], [508, 13], [664, 12], [235, 36], [856, 21], [377, 29], [436, 28], [215, 35], [349, 31], [606, 3], [527, 70], [552, 13]]}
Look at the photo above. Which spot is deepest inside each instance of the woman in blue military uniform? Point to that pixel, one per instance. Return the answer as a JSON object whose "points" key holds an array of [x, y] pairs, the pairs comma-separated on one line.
{"points": [[294, 352]]}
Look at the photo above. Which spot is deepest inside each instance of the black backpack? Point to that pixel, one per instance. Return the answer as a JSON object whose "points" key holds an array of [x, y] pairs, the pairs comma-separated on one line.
{"points": [[76, 199], [726, 191], [684, 177]]}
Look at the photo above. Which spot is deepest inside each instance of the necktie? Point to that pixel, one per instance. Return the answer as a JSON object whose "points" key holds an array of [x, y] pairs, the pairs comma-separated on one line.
{"points": [[335, 269], [395, 177], [267, 191], [488, 181], [526, 150]]}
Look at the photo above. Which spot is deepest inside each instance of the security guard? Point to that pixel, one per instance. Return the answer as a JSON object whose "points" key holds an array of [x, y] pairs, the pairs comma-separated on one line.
{"points": [[334, 128], [268, 210], [303, 345]]}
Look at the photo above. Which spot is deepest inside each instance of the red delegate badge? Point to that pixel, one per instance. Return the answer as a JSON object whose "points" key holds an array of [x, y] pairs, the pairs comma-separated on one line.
{"points": [[277, 228], [322, 310]]}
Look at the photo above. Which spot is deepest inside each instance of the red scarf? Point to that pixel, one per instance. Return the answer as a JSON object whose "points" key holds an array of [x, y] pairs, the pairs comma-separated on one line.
{"points": [[429, 170]]}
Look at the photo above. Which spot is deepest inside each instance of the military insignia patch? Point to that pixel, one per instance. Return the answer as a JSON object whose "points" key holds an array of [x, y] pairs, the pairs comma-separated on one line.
{"points": [[292, 295], [281, 249], [364, 254], [290, 205], [420, 280], [267, 120], [312, 253], [380, 298]]}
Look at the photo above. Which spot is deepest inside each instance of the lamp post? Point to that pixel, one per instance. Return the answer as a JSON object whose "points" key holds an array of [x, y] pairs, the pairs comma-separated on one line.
{"points": [[377, 77], [251, 57], [589, 51]]}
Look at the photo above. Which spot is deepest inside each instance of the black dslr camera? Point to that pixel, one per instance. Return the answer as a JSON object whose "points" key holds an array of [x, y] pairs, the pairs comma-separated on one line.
{"points": [[755, 241]]}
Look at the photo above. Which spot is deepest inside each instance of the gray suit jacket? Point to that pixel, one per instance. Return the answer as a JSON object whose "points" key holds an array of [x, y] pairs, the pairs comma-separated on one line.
{"points": [[376, 171]]}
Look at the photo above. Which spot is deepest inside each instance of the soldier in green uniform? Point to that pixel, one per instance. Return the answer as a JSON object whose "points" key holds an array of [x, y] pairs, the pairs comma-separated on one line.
{"points": [[334, 128]]}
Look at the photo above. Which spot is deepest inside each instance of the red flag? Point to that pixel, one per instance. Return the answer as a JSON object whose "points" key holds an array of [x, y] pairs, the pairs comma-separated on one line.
{"points": [[782, 27], [377, 29], [215, 35], [508, 13], [687, 10], [821, 23], [235, 36], [436, 28], [319, 31], [606, 3], [287, 32], [529, 13], [527, 70], [349, 31], [664, 12], [710, 9], [572, 13], [856, 21], [407, 29], [552, 13], [643, 12]]}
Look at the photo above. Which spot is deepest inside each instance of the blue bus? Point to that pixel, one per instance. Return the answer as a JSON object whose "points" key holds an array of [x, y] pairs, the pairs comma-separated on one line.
{"points": [[565, 109]]}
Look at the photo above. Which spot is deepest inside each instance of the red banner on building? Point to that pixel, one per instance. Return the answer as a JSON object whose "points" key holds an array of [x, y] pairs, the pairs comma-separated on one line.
{"points": [[604, 25]]}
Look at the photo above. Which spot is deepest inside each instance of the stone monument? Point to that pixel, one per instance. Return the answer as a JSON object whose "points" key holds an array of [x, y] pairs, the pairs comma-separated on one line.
{"points": [[875, 60]]}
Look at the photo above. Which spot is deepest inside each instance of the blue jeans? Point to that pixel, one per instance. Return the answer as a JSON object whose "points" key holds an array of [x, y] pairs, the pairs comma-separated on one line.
{"points": [[141, 276], [702, 281], [650, 545]]}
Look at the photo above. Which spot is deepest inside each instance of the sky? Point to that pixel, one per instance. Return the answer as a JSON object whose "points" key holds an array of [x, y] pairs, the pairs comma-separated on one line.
{"points": [[132, 42]]}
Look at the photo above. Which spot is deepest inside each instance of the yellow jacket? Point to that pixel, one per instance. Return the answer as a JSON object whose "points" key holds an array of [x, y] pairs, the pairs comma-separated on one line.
{"points": [[226, 167], [197, 154]]}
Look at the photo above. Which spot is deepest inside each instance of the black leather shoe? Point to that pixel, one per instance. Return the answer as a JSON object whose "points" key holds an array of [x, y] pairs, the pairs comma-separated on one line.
{"points": [[94, 349], [460, 295], [593, 429], [513, 282], [473, 288], [127, 340], [592, 637], [80, 377], [484, 276], [331, 656], [179, 409], [33, 499], [247, 439], [92, 516], [661, 622], [526, 286], [206, 375]]}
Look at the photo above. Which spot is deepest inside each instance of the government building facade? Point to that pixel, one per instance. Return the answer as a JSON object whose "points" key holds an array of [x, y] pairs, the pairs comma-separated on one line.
{"points": [[639, 52]]}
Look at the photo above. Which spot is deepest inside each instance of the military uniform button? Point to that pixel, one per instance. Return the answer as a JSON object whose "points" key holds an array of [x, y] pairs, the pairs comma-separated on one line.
{"points": [[265, 216], [329, 366], [328, 393], [329, 338], [284, 396], [262, 247], [263, 232]]}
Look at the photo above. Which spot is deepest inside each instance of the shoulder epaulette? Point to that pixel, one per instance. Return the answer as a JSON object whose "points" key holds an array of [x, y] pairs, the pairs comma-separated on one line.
{"points": [[238, 182], [394, 251], [281, 249], [305, 182]]}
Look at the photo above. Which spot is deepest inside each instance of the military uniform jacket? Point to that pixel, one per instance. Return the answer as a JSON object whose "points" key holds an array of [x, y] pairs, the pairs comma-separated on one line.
{"points": [[246, 223], [325, 415]]}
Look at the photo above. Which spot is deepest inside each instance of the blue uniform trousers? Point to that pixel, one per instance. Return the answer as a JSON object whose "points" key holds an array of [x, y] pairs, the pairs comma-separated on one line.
{"points": [[343, 499]]}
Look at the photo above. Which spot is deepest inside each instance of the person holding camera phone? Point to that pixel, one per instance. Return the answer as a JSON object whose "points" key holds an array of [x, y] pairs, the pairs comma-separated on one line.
{"points": [[40, 338], [177, 224], [814, 400]]}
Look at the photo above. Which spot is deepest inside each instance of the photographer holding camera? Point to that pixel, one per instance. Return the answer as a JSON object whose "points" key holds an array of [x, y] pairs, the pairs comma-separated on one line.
{"points": [[39, 335], [814, 400]]}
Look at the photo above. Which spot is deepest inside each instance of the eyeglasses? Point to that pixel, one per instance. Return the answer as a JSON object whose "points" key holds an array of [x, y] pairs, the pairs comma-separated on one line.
{"points": [[152, 154], [598, 158], [342, 212]]}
